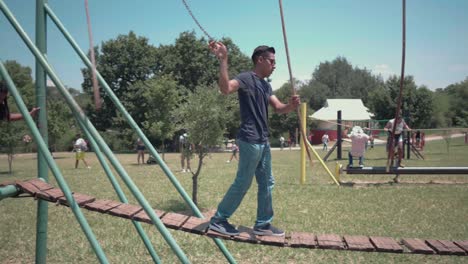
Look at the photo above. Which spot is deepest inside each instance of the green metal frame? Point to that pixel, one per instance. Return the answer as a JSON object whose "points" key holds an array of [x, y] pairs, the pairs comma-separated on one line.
{"points": [[101, 147]]}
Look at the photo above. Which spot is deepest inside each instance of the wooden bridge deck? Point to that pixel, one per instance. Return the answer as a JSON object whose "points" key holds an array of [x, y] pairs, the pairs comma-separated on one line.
{"points": [[41, 190]]}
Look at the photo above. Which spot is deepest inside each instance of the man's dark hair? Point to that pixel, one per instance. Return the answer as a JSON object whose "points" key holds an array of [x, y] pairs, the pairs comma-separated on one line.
{"points": [[260, 51], [4, 110]]}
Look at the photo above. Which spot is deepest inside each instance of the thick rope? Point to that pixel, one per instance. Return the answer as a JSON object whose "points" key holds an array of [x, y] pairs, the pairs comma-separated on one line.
{"points": [[293, 89], [97, 97], [400, 97], [196, 21]]}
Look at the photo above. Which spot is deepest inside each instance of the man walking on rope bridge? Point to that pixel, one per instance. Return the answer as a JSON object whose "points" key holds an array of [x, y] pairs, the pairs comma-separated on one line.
{"points": [[254, 94], [398, 137]]}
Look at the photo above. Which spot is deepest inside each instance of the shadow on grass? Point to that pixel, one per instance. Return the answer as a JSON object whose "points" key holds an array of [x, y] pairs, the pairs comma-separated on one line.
{"points": [[175, 206], [7, 173]]}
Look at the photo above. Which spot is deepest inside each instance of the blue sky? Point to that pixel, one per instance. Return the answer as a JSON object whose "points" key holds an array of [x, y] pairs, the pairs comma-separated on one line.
{"points": [[367, 33]]}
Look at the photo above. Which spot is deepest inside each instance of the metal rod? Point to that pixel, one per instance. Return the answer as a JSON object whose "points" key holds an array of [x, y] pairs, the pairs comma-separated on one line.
{"points": [[78, 112], [8, 191], [137, 129], [41, 98], [115, 184], [408, 170], [45, 151]]}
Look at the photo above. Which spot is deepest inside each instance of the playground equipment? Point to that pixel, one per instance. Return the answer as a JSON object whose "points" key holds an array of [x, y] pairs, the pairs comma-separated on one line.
{"points": [[41, 190], [97, 143]]}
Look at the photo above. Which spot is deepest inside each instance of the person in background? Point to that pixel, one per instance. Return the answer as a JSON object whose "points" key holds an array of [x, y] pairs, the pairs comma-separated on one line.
{"points": [[358, 145], [281, 142], [234, 149], [325, 140], [140, 148], [398, 137], [255, 95], [80, 147], [186, 152]]}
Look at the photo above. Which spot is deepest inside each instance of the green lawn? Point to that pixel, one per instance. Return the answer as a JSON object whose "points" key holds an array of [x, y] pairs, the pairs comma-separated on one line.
{"points": [[421, 206]]}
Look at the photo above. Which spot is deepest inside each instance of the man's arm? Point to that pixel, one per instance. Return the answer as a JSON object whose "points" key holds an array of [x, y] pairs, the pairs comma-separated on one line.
{"points": [[282, 108], [18, 116], [226, 86]]}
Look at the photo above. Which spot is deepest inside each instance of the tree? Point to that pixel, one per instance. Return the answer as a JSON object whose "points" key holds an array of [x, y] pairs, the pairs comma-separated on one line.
{"points": [[339, 79], [280, 123], [191, 63], [203, 115], [12, 132], [121, 62], [152, 103], [458, 96]]}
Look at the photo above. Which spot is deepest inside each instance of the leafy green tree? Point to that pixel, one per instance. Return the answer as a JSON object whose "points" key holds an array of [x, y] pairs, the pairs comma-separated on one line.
{"points": [[152, 103], [191, 63], [122, 62], [203, 115], [417, 104], [339, 79], [280, 123], [12, 132], [458, 95]]}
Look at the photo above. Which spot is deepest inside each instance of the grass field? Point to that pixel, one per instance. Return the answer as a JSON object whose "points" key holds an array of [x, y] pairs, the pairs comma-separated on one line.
{"points": [[421, 206]]}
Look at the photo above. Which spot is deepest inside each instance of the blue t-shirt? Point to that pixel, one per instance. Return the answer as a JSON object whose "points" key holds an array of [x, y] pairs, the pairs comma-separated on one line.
{"points": [[253, 94]]}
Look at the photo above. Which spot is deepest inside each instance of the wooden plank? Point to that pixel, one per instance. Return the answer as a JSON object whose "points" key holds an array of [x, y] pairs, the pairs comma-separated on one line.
{"points": [[174, 220], [80, 199], [246, 235], [142, 216], [300, 239], [359, 243], [125, 210], [417, 246], [101, 206], [386, 244], [462, 244], [51, 195], [28, 187], [272, 240], [215, 234], [209, 214], [445, 247], [330, 241], [40, 184], [195, 225]]}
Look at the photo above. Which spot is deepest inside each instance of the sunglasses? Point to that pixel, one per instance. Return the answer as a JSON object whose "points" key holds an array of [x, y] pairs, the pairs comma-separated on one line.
{"points": [[272, 61]]}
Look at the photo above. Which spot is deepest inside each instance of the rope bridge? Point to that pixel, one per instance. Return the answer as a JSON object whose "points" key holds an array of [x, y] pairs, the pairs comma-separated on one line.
{"points": [[40, 190]]}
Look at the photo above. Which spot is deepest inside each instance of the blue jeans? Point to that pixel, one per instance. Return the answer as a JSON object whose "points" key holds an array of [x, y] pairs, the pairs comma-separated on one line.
{"points": [[254, 159], [361, 159]]}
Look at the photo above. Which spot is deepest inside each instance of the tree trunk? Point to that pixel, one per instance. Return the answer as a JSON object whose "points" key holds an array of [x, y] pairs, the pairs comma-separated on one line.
{"points": [[10, 162], [195, 175]]}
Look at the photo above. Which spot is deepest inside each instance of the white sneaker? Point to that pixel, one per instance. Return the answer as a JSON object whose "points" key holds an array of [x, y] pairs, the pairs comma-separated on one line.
{"points": [[227, 161], [183, 170], [89, 167]]}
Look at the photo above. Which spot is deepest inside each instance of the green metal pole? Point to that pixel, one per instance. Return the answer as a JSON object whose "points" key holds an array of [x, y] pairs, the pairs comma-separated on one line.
{"points": [[135, 127], [119, 192], [48, 157], [8, 191], [79, 113], [42, 170]]}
